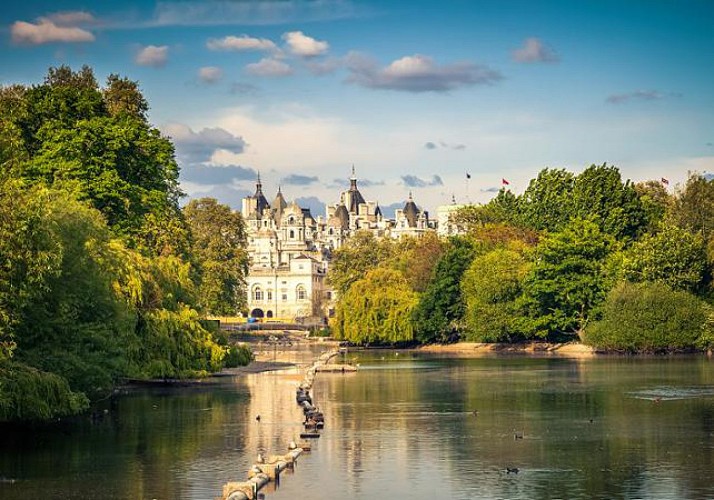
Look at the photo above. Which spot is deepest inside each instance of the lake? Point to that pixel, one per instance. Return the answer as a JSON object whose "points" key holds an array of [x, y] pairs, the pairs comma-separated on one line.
{"points": [[403, 426]]}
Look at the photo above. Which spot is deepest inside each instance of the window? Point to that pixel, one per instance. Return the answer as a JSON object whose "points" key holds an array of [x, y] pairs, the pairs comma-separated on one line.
{"points": [[292, 234], [257, 294], [270, 295], [301, 293], [285, 297]]}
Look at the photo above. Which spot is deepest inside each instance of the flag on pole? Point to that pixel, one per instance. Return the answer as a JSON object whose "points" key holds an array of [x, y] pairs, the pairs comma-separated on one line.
{"points": [[468, 175], [504, 182], [665, 181]]}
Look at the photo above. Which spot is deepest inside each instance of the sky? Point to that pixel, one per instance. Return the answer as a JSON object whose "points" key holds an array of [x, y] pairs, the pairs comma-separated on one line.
{"points": [[444, 100]]}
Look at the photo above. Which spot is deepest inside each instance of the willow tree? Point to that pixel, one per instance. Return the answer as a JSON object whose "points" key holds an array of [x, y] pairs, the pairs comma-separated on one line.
{"points": [[377, 309], [491, 287]]}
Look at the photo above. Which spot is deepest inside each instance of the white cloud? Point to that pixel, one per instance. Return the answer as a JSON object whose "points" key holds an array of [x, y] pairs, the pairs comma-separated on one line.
{"points": [[417, 73], [210, 74], [200, 147], [58, 27], [269, 67], [152, 55], [240, 43], [303, 45], [534, 50]]}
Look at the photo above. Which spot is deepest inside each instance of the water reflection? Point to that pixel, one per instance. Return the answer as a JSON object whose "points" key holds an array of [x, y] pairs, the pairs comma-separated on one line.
{"points": [[402, 427]]}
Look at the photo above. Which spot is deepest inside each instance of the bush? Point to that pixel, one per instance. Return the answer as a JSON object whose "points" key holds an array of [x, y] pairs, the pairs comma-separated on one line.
{"points": [[238, 355], [649, 317]]}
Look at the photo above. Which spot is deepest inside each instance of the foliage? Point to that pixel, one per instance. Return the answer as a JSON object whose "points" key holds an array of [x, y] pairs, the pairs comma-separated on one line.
{"points": [[567, 279], [95, 143], [547, 201], [376, 309], [218, 248], [491, 287], [415, 259], [30, 394], [238, 355], [599, 194], [672, 256], [441, 306], [28, 255], [656, 201], [694, 206], [358, 255], [174, 345], [649, 317]]}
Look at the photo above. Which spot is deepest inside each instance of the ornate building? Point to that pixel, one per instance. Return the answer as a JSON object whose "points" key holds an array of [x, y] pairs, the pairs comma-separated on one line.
{"points": [[290, 250]]}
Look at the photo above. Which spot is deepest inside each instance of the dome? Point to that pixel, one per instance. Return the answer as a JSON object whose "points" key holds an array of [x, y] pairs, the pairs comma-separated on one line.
{"points": [[411, 212]]}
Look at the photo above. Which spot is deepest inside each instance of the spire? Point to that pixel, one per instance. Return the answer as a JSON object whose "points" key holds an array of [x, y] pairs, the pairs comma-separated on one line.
{"points": [[410, 196], [453, 199], [353, 172]]}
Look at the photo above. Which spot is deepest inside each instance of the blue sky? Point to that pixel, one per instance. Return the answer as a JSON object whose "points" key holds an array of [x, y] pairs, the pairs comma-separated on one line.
{"points": [[414, 94]]}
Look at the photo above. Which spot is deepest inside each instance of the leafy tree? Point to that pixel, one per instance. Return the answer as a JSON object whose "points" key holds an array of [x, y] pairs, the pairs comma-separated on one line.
{"points": [[599, 194], [29, 256], [95, 143], [376, 308], [567, 279], [547, 201], [358, 255], [672, 256], [694, 205], [416, 258], [219, 249], [75, 325], [441, 306], [656, 201], [650, 317], [491, 287]]}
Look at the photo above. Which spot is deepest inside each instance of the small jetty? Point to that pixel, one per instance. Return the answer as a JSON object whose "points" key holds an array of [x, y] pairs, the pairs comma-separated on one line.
{"points": [[264, 471]]}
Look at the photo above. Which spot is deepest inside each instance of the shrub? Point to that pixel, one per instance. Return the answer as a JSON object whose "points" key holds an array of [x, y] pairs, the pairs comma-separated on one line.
{"points": [[649, 317]]}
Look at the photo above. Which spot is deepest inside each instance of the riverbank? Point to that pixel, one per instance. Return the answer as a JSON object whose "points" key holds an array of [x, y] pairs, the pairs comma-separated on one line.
{"points": [[568, 349]]}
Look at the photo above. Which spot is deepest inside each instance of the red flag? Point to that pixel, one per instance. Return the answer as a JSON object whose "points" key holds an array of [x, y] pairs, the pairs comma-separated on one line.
{"points": [[504, 182], [665, 181]]}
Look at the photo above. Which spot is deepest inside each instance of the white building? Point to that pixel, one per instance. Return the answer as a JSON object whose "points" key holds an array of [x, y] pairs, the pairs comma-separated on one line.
{"points": [[290, 250]]}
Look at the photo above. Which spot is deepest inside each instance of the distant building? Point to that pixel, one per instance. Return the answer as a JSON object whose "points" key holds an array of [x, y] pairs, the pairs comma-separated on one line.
{"points": [[446, 226], [290, 249]]}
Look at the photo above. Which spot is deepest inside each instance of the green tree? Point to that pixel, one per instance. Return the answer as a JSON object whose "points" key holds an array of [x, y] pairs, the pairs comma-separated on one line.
{"points": [[376, 308], [547, 201], [656, 201], [567, 279], [693, 208], [357, 256], [441, 306], [650, 317], [416, 259], [672, 256], [599, 194], [219, 249], [491, 287]]}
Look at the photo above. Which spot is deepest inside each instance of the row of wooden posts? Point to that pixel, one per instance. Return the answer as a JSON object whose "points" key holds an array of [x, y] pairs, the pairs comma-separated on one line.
{"points": [[264, 470]]}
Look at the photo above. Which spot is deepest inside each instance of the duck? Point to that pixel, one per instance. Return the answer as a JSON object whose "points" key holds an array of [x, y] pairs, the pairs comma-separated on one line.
{"points": [[512, 470]]}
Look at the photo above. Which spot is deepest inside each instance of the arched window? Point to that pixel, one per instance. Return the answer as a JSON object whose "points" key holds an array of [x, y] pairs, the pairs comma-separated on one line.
{"points": [[257, 294], [270, 314], [301, 293], [292, 234]]}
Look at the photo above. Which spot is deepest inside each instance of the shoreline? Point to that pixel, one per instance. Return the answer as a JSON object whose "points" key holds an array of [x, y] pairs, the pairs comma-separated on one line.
{"points": [[477, 349]]}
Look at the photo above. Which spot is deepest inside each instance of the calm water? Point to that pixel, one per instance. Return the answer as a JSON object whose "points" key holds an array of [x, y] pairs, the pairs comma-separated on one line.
{"points": [[402, 427]]}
